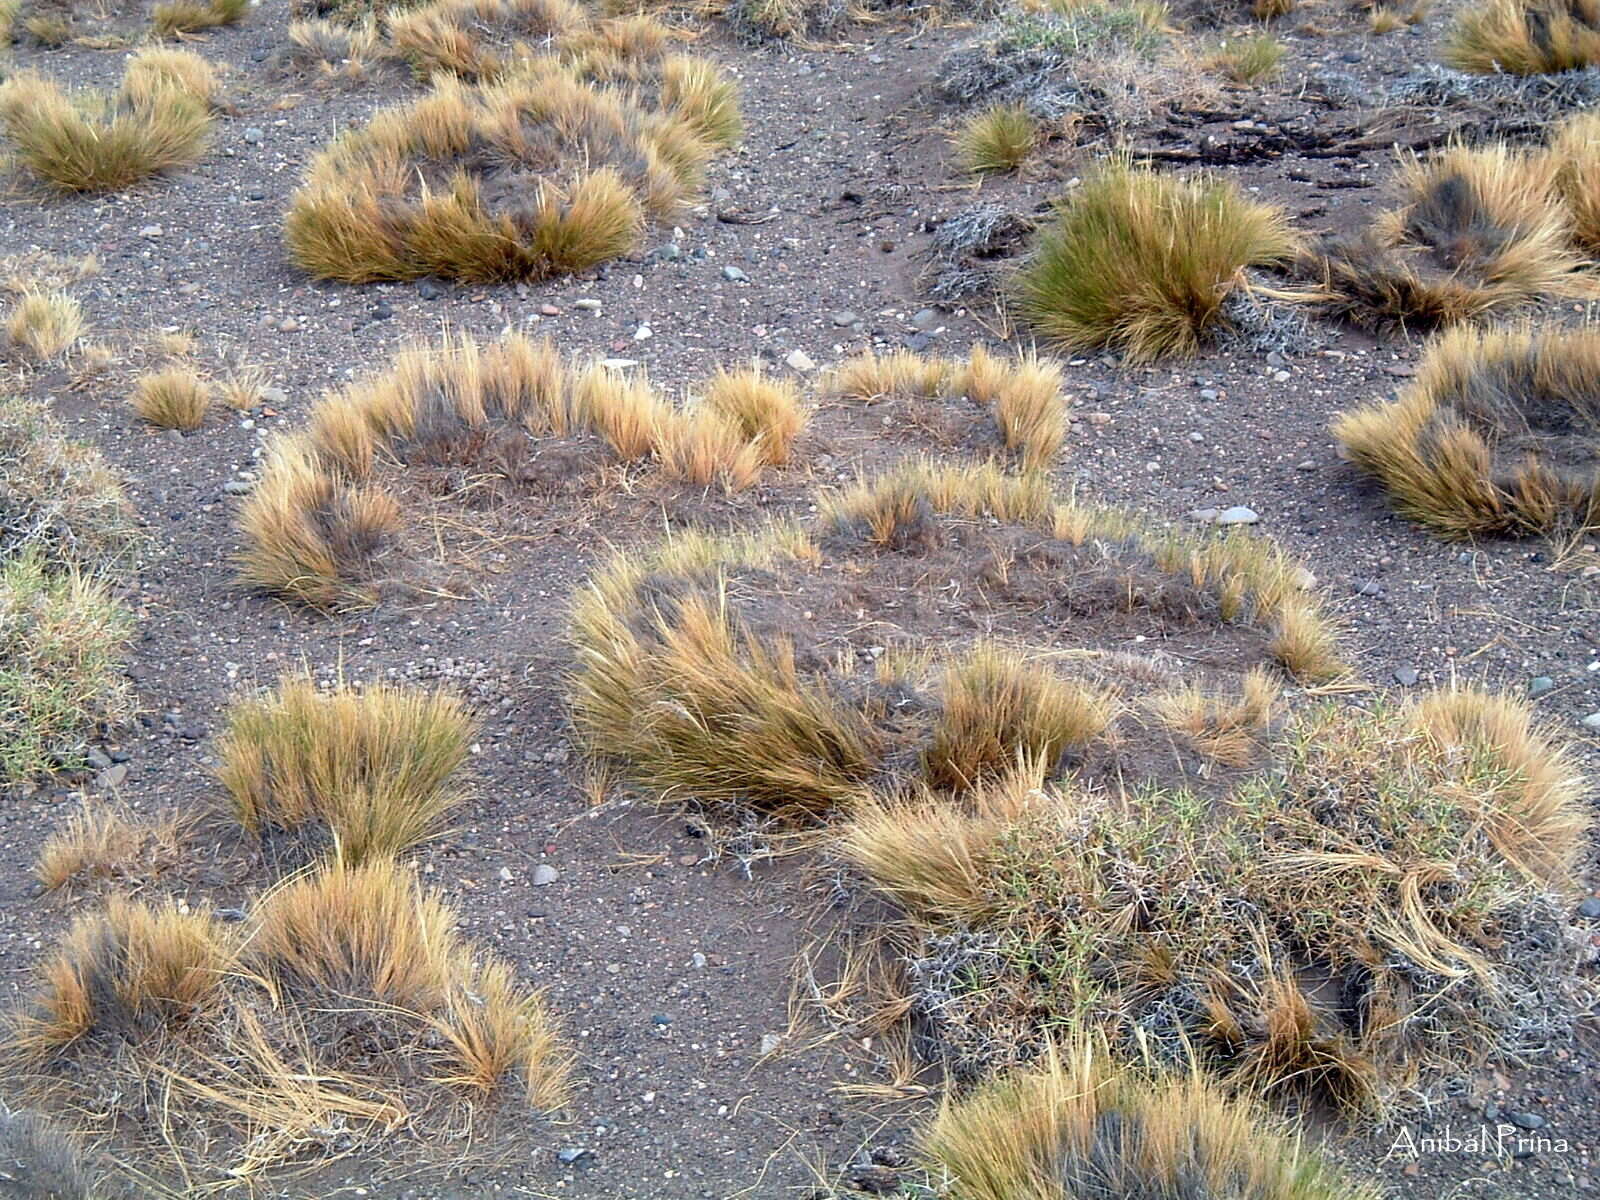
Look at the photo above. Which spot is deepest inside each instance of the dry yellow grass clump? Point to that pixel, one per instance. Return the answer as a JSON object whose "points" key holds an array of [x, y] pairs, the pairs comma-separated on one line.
{"points": [[1143, 263], [481, 39], [1497, 434], [1478, 233], [44, 324], [1525, 37], [369, 769], [1422, 856], [792, 672], [1076, 1116], [319, 523], [108, 841], [1022, 397], [176, 17], [998, 139], [348, 1000], [93, 142], [538, 174], [175, 397]]}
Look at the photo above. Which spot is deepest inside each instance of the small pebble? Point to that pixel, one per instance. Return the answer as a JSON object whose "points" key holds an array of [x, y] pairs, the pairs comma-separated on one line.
{"points": [[544, 875], [799, 360], [1540, 685], [734, 275], [1406, 676]]}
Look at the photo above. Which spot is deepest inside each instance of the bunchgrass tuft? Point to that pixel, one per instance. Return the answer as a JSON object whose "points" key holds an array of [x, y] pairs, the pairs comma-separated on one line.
{"points": [[1023, 395], [1076, 1115], [106, 841], [1478, 233], [176, 397], [369, 769], [128, 971], [176, 17], [63, 503], [1249, 59], [44, 324], [91, 142], [47, 1157], [1494, 436], [1423, 856], [1525, 37], [1573, 159], [540, 174], [996, 140], [62, 642], [1142, 262], [157, 69], [741, 673], [768, 412]]}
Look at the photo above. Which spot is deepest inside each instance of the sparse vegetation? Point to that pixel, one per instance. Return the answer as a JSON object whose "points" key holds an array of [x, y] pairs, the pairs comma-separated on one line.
{"points": [[369, 769], [1143, 262], [1525, 37], [91, 142], [175, 397], [1496, 435], [62, 640], [45, 1161], [158, 69], [1478, 233], [700, 684], [998, 139], [58, 499], [1435, 890], [1076, 1115]]}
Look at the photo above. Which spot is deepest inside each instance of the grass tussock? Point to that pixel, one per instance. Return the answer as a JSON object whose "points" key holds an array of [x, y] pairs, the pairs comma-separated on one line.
{"points": [[1494, 436], [313, 537], [92, 142], [174, 18], [768, 413], [1143, 262], [158, 69], [481, 39], [1230, 730], [1478, 233], [371, 768], [1432, 897], [1525, 37], [63, 503], [698, 683], [996, 140], [108, 841], [370, 934], [47, 1157], [1573, 159], [1249, 60], [128, 971], [331, 50], [62, 641], [175, 397], [540, 174], [44, 324], [1076, 1116], [319, 523], [1023, 396]]}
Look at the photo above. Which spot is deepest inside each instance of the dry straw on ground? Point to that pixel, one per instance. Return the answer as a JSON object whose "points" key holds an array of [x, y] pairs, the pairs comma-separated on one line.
{"points": [[1478, 233], [88, 141], [1375, 911], [788, 673], [1496, 435], [1143, 263], [1077, 1125], [320, 524]]}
